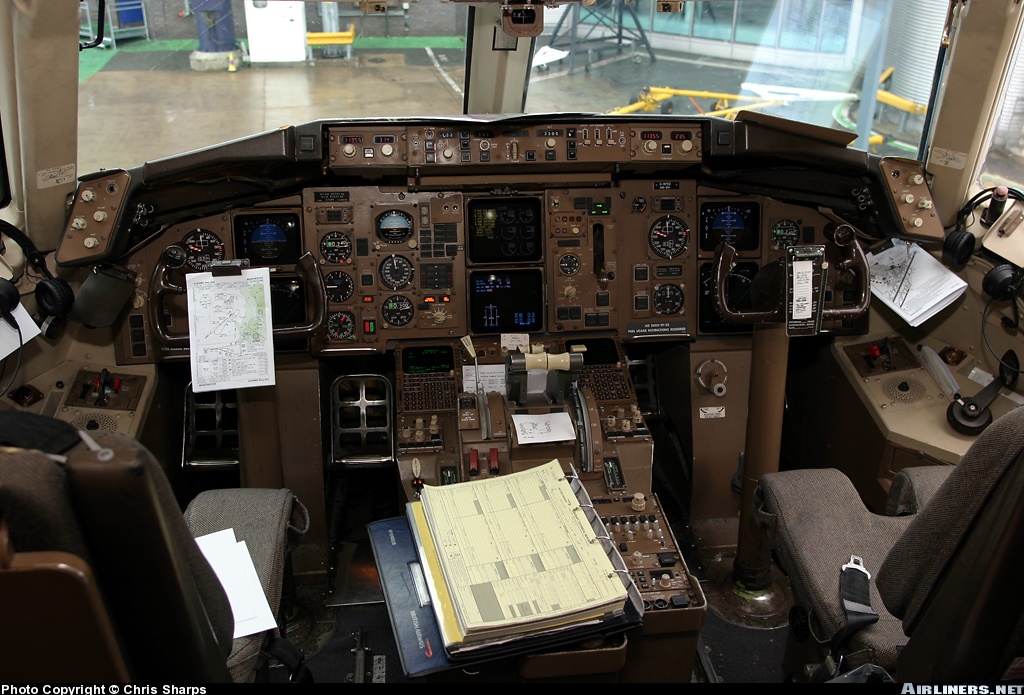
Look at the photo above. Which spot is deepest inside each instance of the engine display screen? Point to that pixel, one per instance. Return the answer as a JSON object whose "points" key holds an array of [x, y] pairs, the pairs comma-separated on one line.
{"points": [[428, 359], [506, 301], [504, 230], [271, 239], [736, 223]]}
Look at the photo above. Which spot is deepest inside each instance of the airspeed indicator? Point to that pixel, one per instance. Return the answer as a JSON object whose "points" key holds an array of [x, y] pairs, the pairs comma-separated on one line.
{"points": [[668, 236]]}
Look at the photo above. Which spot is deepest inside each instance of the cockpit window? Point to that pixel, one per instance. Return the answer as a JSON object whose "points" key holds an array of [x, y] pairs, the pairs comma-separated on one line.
{"points": [[1001, 165], [173, 77], [864, 67]]}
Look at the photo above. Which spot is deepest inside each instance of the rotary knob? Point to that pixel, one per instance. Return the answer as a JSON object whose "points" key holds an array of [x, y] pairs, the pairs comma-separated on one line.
{"points": [[639, 502]]}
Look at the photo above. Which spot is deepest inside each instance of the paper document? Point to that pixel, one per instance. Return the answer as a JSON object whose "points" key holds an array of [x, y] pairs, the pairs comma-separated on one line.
{"points": [[233, 566], [803, 289], [9, 337], [492, 378], [518, 551], [912, 282], [549, 427], [230, 330]]}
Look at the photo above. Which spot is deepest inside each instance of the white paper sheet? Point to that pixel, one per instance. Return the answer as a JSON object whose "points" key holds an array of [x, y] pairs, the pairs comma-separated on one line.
{"points": [[231, 330], [492, 378], [233, 565], [9, 336], [911, 282], [549, 427]]}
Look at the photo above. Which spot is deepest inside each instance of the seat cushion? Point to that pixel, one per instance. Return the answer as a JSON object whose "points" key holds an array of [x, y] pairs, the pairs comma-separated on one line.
{"points": [[815, 521]]}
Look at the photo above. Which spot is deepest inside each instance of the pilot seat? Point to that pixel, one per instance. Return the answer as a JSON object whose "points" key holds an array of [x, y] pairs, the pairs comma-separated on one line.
{"points": [[100, 572], [943, 578]]}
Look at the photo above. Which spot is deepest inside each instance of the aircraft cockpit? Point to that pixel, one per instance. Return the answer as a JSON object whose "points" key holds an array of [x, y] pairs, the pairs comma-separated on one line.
{"points": [[362, 307]]}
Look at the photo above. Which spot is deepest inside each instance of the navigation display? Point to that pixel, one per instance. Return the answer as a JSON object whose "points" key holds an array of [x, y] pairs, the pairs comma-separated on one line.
{"points": [[506, 301], [271, 239], [504, 230]]}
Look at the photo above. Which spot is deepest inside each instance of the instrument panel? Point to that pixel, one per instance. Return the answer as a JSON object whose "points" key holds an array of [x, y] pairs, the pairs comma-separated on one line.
{"points": [[438, 230]]}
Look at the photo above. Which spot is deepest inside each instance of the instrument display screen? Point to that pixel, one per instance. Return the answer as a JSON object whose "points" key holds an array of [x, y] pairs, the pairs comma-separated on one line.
{"points": [[505, 230], [506, 301], [428, 359]]}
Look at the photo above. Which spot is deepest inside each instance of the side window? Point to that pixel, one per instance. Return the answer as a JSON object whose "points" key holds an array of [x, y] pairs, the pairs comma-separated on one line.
{"points": [[1001, 165]]}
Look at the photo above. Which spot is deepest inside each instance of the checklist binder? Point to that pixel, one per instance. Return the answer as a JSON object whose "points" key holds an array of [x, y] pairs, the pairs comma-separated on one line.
{"points": [[424, 603]]}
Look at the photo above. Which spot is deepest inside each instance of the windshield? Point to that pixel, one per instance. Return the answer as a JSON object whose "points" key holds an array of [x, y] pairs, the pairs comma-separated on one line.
{"points": [[172, 77]]}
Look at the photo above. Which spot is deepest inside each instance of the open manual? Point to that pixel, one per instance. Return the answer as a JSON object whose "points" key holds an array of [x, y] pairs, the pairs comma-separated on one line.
{"points": [[912, 282], [507, 565]]}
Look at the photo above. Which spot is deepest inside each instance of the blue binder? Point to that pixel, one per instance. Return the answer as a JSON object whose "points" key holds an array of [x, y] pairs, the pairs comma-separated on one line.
{"points": [[412, 616]]}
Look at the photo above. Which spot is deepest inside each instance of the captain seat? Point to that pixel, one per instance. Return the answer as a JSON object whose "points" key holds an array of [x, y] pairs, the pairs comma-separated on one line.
{"points": [[944, 580], [99, 569]]}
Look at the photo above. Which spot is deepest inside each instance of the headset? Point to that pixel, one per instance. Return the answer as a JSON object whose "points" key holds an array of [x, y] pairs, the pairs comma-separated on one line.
{"points": [[8, 302], [54, 295]]}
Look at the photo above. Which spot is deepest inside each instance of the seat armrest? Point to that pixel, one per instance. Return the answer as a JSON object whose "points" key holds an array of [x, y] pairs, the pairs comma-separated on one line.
{"points": [[913, 487]]}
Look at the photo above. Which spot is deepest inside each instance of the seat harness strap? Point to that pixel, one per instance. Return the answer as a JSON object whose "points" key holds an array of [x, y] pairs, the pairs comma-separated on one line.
{"points": [[855, 589]]}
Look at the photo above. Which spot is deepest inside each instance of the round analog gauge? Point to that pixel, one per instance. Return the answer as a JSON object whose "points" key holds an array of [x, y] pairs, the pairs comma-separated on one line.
{"points": [[569, 264], [668, 236], [397, 310], [339, 286], [202, 247], [668, 299], [396, 271], [639, 204], [341, 325], [394, 226], [336, 247], [785, 233]]}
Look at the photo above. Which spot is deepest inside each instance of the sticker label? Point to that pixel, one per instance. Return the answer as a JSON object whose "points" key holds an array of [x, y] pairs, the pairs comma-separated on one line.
{"points": [[657, 328], [713, 413], [55, 176], [948, 158]]}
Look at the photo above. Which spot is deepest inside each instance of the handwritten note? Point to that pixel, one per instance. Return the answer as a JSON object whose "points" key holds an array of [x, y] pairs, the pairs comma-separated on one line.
{"points": [[549, 427]]}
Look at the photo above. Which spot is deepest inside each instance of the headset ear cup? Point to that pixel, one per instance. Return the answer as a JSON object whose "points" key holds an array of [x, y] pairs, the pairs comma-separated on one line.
{"points": [[54, 297], [9, 298], [999, 282], [958, 248]]}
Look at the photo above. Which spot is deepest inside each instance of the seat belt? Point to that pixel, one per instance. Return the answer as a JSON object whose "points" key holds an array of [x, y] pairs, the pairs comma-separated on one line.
{"points": [[291, 657], [855, 590]]}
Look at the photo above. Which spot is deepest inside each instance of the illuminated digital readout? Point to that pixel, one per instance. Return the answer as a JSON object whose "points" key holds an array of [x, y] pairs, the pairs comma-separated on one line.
{"points": [[506, 301]]}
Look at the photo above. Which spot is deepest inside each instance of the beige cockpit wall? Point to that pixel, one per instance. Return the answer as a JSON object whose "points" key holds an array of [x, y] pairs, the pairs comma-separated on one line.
{"points": [[39, 111], [39, 48]]}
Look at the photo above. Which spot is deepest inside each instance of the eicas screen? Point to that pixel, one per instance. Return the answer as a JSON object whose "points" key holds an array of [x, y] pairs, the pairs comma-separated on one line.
{"points": [[506, 301]]}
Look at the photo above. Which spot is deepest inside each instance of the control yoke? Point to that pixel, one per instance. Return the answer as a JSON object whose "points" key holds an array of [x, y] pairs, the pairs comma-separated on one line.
{"points": [[160, 285], [853, 259]]}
